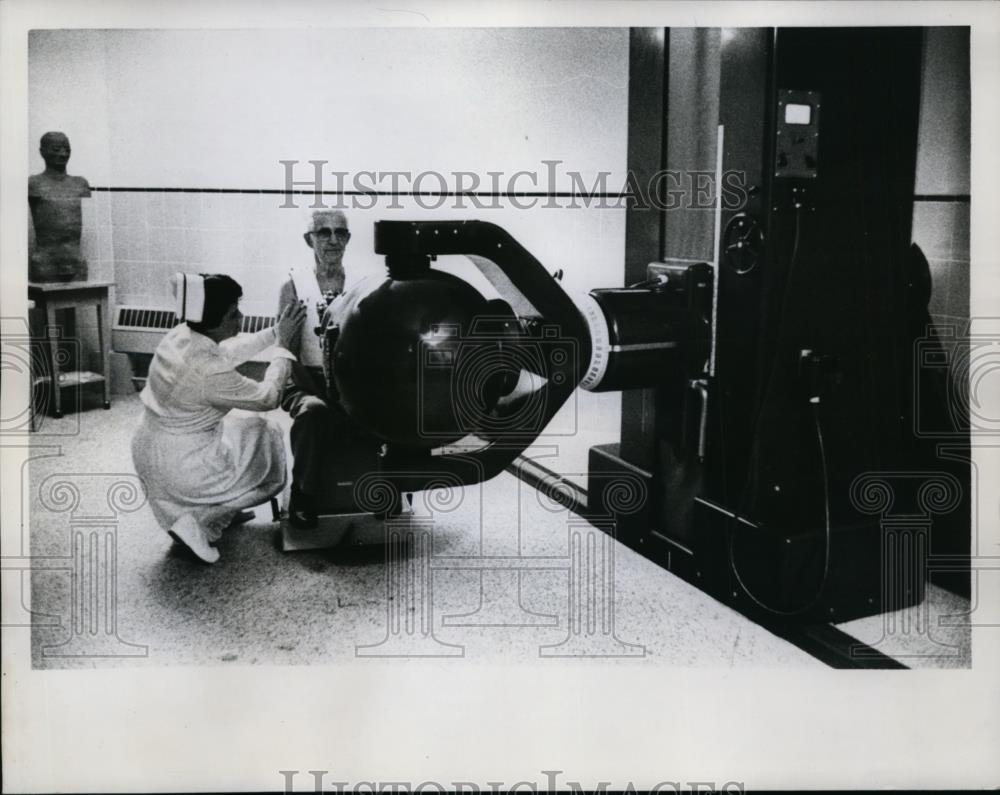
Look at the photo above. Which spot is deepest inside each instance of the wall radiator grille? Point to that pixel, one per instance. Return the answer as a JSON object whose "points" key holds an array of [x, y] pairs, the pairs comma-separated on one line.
{"points": [[139, 329]]}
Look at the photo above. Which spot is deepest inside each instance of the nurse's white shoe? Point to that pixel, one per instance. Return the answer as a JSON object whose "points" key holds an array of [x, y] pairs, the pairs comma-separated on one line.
{"points": [[189, 532]]}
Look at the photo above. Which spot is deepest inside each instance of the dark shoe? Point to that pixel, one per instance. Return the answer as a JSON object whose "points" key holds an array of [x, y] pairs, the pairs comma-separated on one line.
{"points": [[301, 512], [242, 517]]}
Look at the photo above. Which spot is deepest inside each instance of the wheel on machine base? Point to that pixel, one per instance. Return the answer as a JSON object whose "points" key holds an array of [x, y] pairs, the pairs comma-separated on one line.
{"points": [[107, 404], [57, 415]]}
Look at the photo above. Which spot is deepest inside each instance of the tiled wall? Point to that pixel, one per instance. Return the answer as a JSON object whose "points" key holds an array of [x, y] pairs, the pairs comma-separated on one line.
{"points": [[941, 213], [941, 229], [95, 238], [154, 235], [143, 238]]}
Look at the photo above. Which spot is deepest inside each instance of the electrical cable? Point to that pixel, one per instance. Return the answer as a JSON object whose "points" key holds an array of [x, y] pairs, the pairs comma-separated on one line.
{"points": [[827, 535], [655, 281], [755, 450]]}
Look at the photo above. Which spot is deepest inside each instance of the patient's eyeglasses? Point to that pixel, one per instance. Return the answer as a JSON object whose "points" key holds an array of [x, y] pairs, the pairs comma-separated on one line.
{"points": [[340, 233]]}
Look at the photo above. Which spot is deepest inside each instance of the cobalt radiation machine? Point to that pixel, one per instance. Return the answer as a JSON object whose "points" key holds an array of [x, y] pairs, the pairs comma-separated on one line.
{"points": [[764, 395]]}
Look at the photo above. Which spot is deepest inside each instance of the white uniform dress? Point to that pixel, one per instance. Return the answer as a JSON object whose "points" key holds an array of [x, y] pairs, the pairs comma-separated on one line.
{"points": [[192, 458]]}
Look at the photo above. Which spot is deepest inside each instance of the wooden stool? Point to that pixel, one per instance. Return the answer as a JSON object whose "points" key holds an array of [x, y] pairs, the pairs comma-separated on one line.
{"points": [[53, 296]]}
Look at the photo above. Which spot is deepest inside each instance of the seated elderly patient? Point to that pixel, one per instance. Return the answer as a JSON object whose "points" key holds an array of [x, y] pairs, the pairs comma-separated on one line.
{"points": [[200, 466]]}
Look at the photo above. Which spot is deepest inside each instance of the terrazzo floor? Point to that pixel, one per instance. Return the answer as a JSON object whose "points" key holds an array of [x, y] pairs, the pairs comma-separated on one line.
{"points": [[262, 606]]}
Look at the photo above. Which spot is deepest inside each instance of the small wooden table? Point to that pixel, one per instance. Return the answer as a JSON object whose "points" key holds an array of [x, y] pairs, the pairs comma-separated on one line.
{"points": [[53, 296]]}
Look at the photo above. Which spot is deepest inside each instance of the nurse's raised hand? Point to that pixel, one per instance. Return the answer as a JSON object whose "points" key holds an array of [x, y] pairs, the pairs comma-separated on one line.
{"points": [[289, 325]]}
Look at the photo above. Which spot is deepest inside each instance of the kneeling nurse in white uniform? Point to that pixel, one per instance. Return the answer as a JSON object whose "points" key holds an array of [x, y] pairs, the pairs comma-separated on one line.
{"points": [[201, 467]]}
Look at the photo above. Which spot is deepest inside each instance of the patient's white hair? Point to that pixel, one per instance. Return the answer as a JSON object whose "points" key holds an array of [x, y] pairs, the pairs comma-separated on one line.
{"points": [[317, 217]]}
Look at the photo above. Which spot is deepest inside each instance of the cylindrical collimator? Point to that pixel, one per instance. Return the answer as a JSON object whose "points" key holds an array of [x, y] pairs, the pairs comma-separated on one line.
{"points": [[640, 337]]}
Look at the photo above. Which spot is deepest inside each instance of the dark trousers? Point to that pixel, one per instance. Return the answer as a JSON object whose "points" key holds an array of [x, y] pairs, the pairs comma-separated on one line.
{"points": [[312, 434], [330, 451]]}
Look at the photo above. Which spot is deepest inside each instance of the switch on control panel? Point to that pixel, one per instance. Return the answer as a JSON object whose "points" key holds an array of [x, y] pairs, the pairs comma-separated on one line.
{"points": [[797, 134]]}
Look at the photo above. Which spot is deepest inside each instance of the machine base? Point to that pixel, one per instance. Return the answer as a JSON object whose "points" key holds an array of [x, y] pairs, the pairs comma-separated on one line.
{"points": [[332, 531], [339, 529], [872, 569]]}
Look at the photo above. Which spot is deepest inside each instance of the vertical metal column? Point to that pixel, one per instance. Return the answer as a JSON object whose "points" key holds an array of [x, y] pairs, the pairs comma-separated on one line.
{"points": [[647, 120]]}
